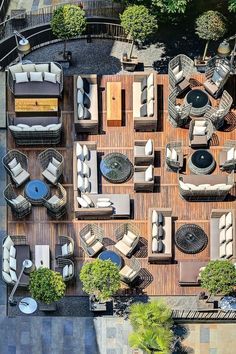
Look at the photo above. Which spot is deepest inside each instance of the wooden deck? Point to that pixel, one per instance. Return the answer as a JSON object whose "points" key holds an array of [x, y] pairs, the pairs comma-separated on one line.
{"points": [[155, 279]]}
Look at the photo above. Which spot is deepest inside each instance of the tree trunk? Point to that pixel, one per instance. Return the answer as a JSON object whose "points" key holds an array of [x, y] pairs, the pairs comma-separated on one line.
{"points": [[64, 51], [131, 49], [205, 51]]}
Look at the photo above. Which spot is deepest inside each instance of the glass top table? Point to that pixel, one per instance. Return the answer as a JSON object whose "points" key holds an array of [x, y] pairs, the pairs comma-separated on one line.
{"points": [[116, 167], [201, 162], [113, 256], [191, 238], [199, 100], [36, 190]]}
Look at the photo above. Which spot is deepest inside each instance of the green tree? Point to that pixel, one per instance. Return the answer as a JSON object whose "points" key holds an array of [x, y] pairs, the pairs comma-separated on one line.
{"points": [[219, 277], [170, 6], [138, 23], [210, 26], [46, 285], [232, 6], [68, 21], [100, 278], [151, 324]]}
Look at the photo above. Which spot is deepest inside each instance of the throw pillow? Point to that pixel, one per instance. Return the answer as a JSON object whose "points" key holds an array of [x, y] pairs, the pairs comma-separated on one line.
{"points": [[131, 235], [160, 219], [179, 76], [80, 183], [70, 269], [13, 252], [12, 163], [70, 248], [150, 80], [103, 200], [154, 216], [82, 202], [80, 111], [222, 221], [86, 101], [150, 93], [8, 243], [85, 152], [25, 126], [143, 110], [64, 250], [103, 204], [175, 70], [12, 263], [160, 246], [91, 240], [80, 97], [144, 96], [13, 276], [234, 154], [87, 114], [79, 166], [229, 234], [6, 266], [168, 153], [6, 253], [127, 241], [55, 70], [199, 130], [149, 174], [14, 128], [80, 83], [79, 151], [230, 154], [56, 162], [28, 67], [150, 108], [148, 147], [86, 85], [17, 170], [88, 200], [21, 77], [17, 68], [144, 83], [154, 230], [41, 67], [36, 76], [154, 245], [229, 249], [161, 231], [222, 250], [222, 236], [50, 77], [228, 220], [86, 170], [52, 169], [65, 271], [174, 155], [6, 277], [87, 185]]}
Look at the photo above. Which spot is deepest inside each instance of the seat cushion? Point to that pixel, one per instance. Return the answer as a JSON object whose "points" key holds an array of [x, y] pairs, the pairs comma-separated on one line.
{"points": [[49, 176], [37, 89], [95, 248], [126, 271], [123, 248], [22, 177]]}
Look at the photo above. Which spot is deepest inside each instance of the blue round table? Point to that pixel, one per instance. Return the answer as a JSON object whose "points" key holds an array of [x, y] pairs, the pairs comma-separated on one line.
{"points": [[36, 190], [113, 256]]}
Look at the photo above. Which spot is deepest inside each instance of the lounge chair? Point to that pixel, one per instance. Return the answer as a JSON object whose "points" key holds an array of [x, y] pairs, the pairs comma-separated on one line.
{"points": [[52, 163], [65, 247], [16, 165], [130, 271], [127, 236], [19, 205], [91, 237]]}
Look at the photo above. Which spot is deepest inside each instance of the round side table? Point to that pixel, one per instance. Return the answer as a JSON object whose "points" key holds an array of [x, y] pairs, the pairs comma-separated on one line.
{"points": [[28, 305], [201, 162], [36, 190]]}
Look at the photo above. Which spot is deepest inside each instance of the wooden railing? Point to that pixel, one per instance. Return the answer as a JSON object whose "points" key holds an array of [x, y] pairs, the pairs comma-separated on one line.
{"points": [[207, 315]]}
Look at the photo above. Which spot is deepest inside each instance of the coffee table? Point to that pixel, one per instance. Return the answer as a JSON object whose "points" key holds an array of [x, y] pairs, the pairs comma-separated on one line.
{"points": [[116, 167], [199, 100], [191, 238], [42, 256], [36, 105], [114, 112], [113, 256], [36, 190], [201, 162]]}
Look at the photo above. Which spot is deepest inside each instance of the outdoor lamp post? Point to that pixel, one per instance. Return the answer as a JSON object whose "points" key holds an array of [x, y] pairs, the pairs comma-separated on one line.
{"points": [[23, 45], [224, 51]]}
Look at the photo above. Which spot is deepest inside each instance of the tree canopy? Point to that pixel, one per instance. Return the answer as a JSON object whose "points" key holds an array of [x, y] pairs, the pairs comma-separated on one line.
{"points": [[219, 277], [232, 6], [170, 6], [211, 25]]}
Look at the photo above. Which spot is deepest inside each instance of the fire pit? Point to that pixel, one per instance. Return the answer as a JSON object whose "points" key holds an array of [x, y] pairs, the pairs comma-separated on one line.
{"points": [[191, 238]]}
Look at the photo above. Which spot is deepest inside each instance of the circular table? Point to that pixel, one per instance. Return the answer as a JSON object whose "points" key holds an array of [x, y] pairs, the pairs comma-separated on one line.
{"points": [[191, 238], [228, 303], [28, 305], [201, 162], [36, 190], [116, 167], [113, 256], [199, 100]]}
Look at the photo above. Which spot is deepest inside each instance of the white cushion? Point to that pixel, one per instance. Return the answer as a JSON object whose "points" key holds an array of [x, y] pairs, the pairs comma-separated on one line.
{"points": [[50, 77], [79, 83], [13, 276], [90, 240], [183, 186], [80, 111], [80, 183], [222, 221], [179, 76], [234, 154], [149, 173], [13, 252], [87, 236], [41, 67], [12, 163], [148, 147], [82, 202], [228, 220], [168, 153], [103, 204], [17, 68], [103, 200], [79, 166], [176, 70], [65, 271], [154, 216], [222, 250], [8, 243], [55, 162], [56, 70], [54, 200], [131, 235], [230, 154], [6, 266], [21, 77], [14, 128], [64, 250], [87, 199], [174, 155], [70, 248], [150, 108], [6, 253], [12, 263], [85, 152], [80, 97], [154, 230], [229, 249], [87, 185], [17, 170], [200, 123], [150, 93], [229, 234], [222, 236], [54, 126], [86, 170], [127, 241], [199, 130], [52, 169], [150, 80], [28, 67], [36, 76], [154, 245], [79, 151], [6, 277]]}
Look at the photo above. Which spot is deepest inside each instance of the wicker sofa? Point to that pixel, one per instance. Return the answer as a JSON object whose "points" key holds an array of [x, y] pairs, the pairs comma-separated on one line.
{"points": [[166, 239], [145, 102], [32, 88], [86, 121]]}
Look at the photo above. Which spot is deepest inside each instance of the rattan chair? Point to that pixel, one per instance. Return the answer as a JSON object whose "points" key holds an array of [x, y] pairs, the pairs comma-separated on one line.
{"points": [[174, 156], [200, 141], [227, 160], [217, 115], [179, 71], [19, 157], [64, 240], [178, 115], [51, 157], [19, 205], [130, 271], [60, 267], [125, 246], [217, 74], [56, 205], [91, 237]]}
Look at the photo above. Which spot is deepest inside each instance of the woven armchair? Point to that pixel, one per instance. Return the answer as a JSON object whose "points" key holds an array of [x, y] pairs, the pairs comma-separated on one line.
{"points": [[130, 271], [227, 160], [200, 141], [19, 205], [217, 74], [61, 264], [91, 237], [48, 157], [178, 115], [174, 159], [56, 205], [179, 70], [141, 157], [21, 158], [64, 240], [126, 247], [140, 182], [217, 115]]}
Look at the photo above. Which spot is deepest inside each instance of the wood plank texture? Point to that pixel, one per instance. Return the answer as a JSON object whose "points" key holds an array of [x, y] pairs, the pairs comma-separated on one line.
{"points": [[36, 105]]}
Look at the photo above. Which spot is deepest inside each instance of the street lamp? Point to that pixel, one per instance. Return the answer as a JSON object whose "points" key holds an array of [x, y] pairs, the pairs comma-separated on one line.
{"points": [[23, 45], [224, 50]]}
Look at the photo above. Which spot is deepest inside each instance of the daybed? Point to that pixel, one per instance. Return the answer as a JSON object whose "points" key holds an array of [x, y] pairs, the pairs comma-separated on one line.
{"points": [[159, 234], [190, 272], [86, 104]]}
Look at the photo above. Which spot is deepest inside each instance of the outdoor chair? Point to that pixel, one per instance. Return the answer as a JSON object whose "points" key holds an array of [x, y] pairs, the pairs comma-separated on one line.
{"points": [[178, 114], [16, 165], [91, 237], [52, 163], [227, 160], [56, 205], [174, 156], [144, 152], [130, 271], [19, 205], [200, 132], [217, 73], [127, 236], [66, 268], [179, 71], [65, 247], [217, 114], [144, 178]]}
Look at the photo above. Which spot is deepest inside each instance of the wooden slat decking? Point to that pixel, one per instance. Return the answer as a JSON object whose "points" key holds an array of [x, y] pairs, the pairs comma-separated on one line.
{"points": [[155, 279]]}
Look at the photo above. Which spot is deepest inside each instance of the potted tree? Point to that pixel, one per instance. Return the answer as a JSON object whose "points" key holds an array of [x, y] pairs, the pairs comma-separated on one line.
{"points": [[46, 285], [100, 279], [138, 24], [211, 26], [68, 21]]}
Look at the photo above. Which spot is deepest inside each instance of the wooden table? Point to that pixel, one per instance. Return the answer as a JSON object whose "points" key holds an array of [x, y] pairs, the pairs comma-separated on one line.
{"points": [[36, 104], [42, 256], [114, 111]]}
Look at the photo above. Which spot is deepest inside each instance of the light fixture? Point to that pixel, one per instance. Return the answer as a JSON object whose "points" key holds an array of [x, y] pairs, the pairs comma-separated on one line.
{"points": [[23, 44], [224, 49]]}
